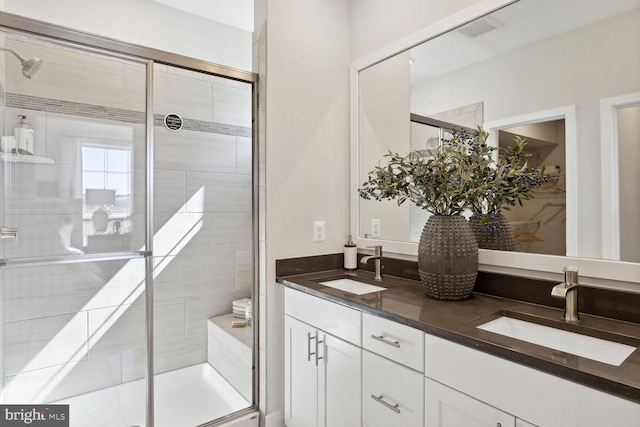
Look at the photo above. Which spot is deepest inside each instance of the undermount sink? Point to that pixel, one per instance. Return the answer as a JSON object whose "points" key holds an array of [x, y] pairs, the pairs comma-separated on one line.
{"points": [[352, 286], [598, 349]]}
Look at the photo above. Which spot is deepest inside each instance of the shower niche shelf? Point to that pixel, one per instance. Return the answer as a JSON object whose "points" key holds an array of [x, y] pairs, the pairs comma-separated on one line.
{"points": [[24, 158]]}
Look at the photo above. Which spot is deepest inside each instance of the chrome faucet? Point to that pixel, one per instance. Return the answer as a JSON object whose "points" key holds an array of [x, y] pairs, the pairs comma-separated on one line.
{"points": [[569, 291], [377, 256]]}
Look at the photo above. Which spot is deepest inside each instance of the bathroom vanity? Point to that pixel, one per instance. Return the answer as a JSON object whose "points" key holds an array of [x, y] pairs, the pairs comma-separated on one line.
{"points": [[358, 355]]}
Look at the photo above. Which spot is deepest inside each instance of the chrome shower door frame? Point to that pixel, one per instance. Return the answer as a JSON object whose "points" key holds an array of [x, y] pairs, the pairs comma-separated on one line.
{"points": [[93, 43]]}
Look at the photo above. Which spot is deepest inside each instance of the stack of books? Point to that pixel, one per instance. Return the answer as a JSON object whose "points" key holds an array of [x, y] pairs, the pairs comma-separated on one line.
{"points": [[240, 307]]}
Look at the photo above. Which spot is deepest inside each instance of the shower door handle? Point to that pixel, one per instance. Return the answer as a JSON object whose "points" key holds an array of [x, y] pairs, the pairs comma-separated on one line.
{"points": [[8, 233]]}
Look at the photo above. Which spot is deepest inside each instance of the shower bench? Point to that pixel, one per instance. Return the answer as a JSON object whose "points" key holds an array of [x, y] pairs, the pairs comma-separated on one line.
{"points": [[229, 351]]}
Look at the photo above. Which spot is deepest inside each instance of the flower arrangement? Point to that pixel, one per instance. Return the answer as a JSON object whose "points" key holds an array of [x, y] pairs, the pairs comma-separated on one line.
{"points": [[458, 175]]}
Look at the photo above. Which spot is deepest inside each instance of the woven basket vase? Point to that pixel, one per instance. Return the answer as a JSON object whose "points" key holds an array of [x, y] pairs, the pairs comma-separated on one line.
{"points": [[447, 258], [493, 231]]}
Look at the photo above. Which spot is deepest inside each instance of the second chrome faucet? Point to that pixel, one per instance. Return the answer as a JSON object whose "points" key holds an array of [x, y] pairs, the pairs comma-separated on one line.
{"points": [[569, 291], [377, 257]]}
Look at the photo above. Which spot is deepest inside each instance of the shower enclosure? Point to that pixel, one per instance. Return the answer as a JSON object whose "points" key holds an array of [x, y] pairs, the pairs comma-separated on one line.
{"points": [[128, 231]]}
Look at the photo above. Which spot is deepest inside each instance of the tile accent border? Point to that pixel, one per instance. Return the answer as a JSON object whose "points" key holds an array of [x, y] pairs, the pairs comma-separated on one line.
{"points": [[208, 127], [48, 105], [58, 106]]}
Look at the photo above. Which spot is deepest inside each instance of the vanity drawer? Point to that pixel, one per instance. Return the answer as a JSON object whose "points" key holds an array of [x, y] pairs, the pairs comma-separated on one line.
{"points": [[395, 341], [392, 394], [336, 319]]}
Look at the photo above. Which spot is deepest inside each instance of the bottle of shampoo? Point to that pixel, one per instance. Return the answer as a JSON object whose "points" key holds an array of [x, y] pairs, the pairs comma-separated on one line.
{"points": [[24, 136], [350, 255]]}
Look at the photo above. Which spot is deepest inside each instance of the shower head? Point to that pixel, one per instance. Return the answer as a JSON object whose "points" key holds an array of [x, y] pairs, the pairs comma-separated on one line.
{"points": [[29, 66]]}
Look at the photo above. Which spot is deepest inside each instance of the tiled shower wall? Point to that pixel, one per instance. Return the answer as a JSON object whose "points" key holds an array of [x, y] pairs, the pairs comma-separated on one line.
{"points": [[73, 328]]}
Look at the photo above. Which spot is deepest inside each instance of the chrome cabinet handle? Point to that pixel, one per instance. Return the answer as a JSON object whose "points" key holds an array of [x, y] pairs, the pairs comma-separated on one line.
{"points": [[381, 338], [309, 352], [380, 399], [317, 353]]}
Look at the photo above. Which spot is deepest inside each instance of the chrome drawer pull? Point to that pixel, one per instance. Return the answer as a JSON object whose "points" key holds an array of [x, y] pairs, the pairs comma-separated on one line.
{"points": [[381, 338], [380, 399]]}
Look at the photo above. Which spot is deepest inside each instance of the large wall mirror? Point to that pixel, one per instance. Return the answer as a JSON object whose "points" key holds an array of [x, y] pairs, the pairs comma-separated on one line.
{"points": [[564, 76]]}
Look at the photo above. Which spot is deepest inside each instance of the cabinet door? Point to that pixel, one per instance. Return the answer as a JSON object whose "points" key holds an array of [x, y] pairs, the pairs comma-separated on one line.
{"points": [[445, 407], [391, 393], [340, 382], [300, 374]]}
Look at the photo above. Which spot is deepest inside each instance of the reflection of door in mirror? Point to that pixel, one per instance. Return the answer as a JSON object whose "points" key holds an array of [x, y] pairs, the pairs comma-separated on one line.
{"points": [[539, 225], [628, 178]]}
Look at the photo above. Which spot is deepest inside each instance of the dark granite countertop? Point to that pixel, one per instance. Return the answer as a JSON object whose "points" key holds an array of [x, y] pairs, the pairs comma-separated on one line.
{"points": [[404, 302]]}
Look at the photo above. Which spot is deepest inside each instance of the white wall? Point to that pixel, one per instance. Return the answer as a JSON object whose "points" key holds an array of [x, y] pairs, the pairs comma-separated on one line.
{"points": [[307, 125], [307, 149], [310, 46], [146, 23]]}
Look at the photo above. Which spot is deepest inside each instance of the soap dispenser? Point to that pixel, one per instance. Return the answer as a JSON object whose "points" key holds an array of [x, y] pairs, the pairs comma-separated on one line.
{"points": [[350, 255], [24, 136]]}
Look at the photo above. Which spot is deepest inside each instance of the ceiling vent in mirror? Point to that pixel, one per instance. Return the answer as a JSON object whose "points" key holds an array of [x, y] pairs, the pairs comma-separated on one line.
{"points": [[480, 26]]}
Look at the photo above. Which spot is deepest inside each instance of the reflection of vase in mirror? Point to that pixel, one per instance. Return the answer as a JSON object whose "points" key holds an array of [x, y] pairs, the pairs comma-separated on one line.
{"points": [[447, 257], [493, 231]]}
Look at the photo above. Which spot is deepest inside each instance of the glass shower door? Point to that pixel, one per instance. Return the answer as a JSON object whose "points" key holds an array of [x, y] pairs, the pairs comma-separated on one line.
{"points": [[203, 254], [73, 212]]}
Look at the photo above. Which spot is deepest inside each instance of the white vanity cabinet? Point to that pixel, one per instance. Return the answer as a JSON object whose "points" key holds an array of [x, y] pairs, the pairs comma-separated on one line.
{"points": [[446, 407], [322, 371], [465, 382], [346, 368]]}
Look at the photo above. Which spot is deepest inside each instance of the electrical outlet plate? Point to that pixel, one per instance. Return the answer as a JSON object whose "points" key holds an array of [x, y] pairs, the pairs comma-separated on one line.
{"points": [[375, 228], [319, 231]]}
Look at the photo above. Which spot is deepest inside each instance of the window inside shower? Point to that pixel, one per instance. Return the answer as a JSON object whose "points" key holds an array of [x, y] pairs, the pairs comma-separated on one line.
{"points": [[124, 276], [106, 185]]}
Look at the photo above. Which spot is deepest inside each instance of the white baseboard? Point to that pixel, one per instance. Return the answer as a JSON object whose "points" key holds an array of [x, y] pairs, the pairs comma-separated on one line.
{"points": [[274, 419], [248, 420]]}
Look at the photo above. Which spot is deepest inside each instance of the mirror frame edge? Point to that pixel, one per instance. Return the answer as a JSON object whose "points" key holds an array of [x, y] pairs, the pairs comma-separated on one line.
{"points": [[596, 272]]}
